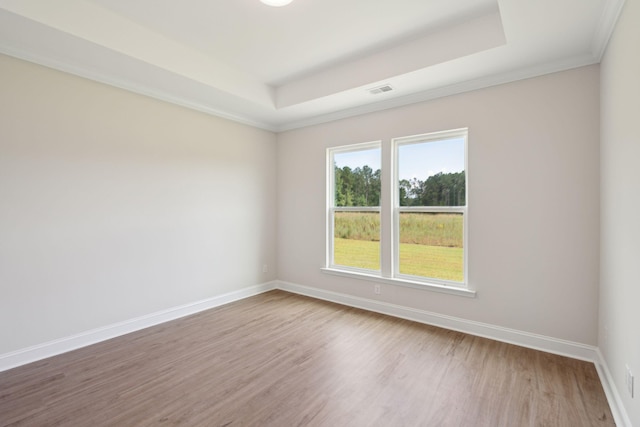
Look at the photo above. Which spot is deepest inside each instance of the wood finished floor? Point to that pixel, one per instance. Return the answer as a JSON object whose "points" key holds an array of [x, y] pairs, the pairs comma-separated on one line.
{"points": [[279, 359]]}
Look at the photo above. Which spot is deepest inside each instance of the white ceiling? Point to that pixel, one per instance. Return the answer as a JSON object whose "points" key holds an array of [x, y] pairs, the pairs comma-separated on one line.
{"points": [[309, 62]]}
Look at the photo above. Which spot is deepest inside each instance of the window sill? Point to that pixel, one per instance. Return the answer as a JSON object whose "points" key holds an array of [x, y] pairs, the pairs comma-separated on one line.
{"points": [[402, 282]]}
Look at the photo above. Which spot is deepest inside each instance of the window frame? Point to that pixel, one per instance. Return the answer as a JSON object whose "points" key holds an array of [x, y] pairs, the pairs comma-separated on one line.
{"points": [[332, 208], [389, 211], [396, 143]]}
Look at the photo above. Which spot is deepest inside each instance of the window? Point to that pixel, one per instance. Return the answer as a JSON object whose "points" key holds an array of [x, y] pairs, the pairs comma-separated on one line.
{"points": [[398, 211], [430, 206], [355, 207]]}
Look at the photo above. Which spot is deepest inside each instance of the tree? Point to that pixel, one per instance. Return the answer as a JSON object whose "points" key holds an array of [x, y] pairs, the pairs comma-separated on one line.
{"points": [[361, 187], [404, 190], [441, 189], [357, 187]]}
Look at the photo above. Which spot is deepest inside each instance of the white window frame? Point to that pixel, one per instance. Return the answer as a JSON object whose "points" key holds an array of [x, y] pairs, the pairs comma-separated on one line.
{"points": [[332, 208], [396, 143], [390, 210]]}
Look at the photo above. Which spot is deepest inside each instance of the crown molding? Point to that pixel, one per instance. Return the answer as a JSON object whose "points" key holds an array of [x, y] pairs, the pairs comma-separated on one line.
{"points": [[606, 25], [458, 88], [128, 86], [182, 91], [441, 92]]}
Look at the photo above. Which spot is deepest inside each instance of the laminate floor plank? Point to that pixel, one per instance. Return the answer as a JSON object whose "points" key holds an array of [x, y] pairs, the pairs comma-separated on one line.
{"points": [[279, 359]]}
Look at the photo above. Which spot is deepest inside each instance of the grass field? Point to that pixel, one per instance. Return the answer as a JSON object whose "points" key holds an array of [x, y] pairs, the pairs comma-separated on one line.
{"points": [[430, 243]]}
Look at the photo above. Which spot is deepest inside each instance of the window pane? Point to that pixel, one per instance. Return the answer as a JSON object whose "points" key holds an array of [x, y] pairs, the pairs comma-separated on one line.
{"points": [[432, 173], [357, 178], [356, 239], [431, 245]]}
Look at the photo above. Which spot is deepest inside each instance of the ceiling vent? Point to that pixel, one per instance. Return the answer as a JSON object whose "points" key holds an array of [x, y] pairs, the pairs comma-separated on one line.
{"points": [[380, 89]]}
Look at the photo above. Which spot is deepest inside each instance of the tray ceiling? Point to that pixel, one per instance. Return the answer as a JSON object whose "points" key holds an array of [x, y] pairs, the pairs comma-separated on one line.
{"points": [[309, 62]]}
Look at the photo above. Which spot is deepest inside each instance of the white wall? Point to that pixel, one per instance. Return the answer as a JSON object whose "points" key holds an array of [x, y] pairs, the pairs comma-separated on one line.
{"points": [[113, 205], [533, 202], [619, 338]]}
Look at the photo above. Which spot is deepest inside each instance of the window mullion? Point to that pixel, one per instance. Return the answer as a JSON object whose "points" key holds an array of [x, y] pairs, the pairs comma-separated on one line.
{"points": [[386, 211]]}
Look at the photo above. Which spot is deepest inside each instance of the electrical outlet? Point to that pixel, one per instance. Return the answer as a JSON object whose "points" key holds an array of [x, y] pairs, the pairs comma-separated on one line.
{"points": [[376, 289], [265, 268], [629, 381]]}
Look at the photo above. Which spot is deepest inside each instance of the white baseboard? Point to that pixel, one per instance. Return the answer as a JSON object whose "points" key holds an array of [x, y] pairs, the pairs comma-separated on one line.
{"points": [[525, 339], [620, 415], [498, 333], [511, 336], [63, 345]]}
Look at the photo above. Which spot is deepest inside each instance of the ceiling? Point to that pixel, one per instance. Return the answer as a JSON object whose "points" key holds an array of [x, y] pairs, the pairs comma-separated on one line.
{"points": [[312, 61]]}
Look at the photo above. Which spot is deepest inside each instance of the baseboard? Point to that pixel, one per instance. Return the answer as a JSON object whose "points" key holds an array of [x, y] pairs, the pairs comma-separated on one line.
{"points": [[512, 336], [524, 339], [620, 415], [63, 345]]}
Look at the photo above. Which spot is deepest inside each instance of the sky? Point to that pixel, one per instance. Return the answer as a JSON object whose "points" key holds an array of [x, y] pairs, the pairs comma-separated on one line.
{"points": [[415, 160]]}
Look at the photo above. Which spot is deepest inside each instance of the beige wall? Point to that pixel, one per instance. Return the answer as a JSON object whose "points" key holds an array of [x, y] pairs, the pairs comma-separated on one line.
{"points": [[619, 338], [533, 202], [114, 205]]}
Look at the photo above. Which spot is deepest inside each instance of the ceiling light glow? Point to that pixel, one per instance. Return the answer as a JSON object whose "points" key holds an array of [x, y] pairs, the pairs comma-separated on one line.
{"points": [[276, 3]]}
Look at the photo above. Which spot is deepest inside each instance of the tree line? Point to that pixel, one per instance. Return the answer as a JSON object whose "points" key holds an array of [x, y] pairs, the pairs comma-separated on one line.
{"points": [[361, 187]]}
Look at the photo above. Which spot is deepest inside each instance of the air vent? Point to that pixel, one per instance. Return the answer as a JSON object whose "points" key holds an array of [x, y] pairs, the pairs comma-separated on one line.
{"points": [[380, 89]]}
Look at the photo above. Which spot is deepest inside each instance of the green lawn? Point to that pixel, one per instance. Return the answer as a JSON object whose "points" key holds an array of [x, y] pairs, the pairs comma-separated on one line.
{"points": [[430, 243], [418, 260], [356, 253], [439, 262]]}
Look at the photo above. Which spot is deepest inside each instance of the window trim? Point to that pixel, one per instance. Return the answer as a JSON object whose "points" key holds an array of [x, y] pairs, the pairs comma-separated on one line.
{"points": [[392, 210], [396, 143], [353, 273], [332, 208]]}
